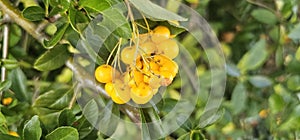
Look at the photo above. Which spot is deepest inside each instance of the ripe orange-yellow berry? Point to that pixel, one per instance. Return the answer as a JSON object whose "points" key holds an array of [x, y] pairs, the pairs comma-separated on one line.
{"points": [[120, 93], [169, 48], [105, 73], [109, 87], [263, 113], [167, 78], [148, 47], [7, 101], [13, 133], [128, 55], [141, 94], [160, 33]]}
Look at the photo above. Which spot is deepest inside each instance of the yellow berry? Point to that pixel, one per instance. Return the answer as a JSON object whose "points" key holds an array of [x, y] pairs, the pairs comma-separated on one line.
{"points": [[160, 33], [7, 101], [148, 47], [109, 87], [120, 93], [141, 94], [141, 38], [138, 76], [128, 55], [154, 82], [170, 66], [167, 78], [263, 113], [105, 73], [153, 66], [13, 133], [169, 48]]}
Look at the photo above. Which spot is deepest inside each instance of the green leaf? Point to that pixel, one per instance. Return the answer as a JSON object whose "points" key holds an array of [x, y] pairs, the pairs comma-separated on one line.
{"points": [[3, 125], [32, 129], [297, 55], [238, 98], [18, 85], [5, 85], [77, 18], [264, 16], [115, 21], [34, 13], [295, 33], [57, 36], [49, 105], [260, 81], [232, 70], [109, 116], [154, 11], [145, 129], [91, 111], [63, 133], [66, 117], [255, 57], [276, 103], [53, 58], [97, 5], [8, 137], [293, 83]]}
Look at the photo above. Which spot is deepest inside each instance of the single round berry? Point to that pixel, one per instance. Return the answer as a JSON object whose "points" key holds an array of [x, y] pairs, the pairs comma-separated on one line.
{"points": [[141, 94], [169, 48], [109, 87], [128, 55], [105, 73], [148, 47], [121, 92], [160, 33]]}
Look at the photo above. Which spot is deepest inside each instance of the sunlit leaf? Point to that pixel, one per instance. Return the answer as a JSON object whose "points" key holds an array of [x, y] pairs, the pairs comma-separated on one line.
{"points": [[63, 133], [154, 11], [264, 16], [260, 81], [34, 13], [238, 98], [32, 129], [53, 58]]}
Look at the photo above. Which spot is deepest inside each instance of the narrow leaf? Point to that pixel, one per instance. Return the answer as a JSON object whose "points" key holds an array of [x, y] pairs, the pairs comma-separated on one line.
{"points": [[260, 81], [5, 85], [32, 129], [91, 111], [238, 98], [154, 11], [34, 13], [254, 57], [18, 85], [264, 16], [97, 5], [53, 58], [63, 133], [8, 137]]}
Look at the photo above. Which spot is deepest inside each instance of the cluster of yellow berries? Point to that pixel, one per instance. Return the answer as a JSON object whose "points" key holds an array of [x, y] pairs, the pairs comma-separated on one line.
{"points": [[149, 66]]}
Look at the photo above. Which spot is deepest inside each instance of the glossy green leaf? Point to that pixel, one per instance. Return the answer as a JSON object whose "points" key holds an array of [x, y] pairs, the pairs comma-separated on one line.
{"points": [[3, 125], [66, 118], [49, 105], [260, 81], [63, 133], [91, 111], [97, 5], [5, 85], [109, 118], [57, 36], [53, 58], [18, 85], [238, 98], [32, 129], [293, 83], [276, 103], [295, 33], [264, 16], [154, 11], [115, 21], [255, 57], [34, 13], [76, 19]]}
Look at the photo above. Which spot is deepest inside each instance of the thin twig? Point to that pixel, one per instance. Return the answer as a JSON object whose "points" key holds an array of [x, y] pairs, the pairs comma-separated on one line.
{"points": [[15, 15], [4, 50]]}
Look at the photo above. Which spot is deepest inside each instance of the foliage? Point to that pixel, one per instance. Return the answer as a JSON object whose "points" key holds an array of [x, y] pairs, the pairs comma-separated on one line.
{"points": [[260, 41]]}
